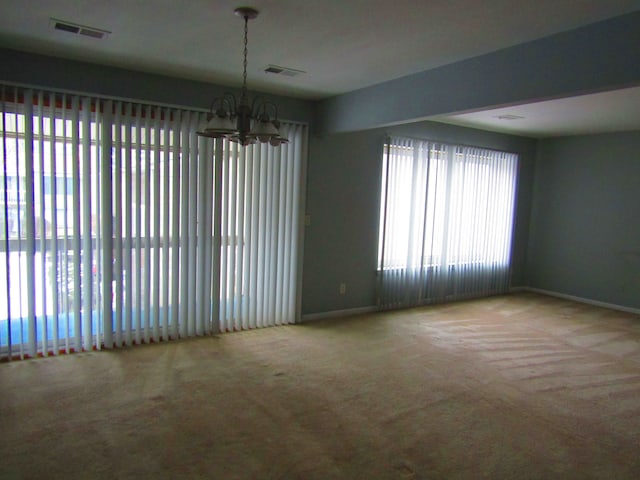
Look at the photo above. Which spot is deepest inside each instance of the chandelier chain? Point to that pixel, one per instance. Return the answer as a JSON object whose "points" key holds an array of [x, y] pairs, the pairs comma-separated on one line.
{"points": [[246, 34]]}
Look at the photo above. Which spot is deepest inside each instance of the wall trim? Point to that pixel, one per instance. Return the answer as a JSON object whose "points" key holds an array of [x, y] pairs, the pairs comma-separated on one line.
{"points": [[311, 317], [588, 301]]}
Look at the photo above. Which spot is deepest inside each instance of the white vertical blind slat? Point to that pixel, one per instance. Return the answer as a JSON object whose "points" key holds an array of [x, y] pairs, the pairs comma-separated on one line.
{"points": [[107, 225], [86, 231], [184, 226], [217, 237], [254, 238], [156, 207], [55, 294], [193, 226], [208, 215], [232, 241], [247, 222], [147, 178], [128, 210], [166, 218], [41, 228], [6, 281], [224, 229], [30, 223], [241, 240], [64, 261], [261, 251], [118, 221], [201, 226], [137, 266], [177, 201], [273, 237], [98, 225], [76, 199]]}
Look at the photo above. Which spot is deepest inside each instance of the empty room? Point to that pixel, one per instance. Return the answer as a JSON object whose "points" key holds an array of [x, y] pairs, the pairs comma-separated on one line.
{"points": [[320, 239]]}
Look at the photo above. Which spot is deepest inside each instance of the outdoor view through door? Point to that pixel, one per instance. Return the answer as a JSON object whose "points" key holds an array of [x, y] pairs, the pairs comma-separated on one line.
{"points": [[446, 221], [118, 228]]}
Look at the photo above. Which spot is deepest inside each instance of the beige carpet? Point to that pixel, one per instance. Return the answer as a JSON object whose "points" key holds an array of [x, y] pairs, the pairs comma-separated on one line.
{"points": [[521, 386]]}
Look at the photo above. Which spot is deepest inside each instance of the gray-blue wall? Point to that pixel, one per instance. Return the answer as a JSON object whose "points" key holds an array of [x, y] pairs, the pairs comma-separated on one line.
{"points": [[585, 229]]}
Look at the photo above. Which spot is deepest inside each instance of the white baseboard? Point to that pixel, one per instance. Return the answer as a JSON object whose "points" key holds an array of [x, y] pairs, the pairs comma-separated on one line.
{"points": [[518, 289], [588, 301], [310, 317]]}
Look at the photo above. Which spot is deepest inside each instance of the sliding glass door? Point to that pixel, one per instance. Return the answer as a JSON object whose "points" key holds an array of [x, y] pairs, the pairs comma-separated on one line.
{"points": [[121, 226]]}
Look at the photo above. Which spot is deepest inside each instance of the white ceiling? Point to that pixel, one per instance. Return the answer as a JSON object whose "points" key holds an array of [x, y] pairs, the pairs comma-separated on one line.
{"points": [[612, 111], [342, 45]]}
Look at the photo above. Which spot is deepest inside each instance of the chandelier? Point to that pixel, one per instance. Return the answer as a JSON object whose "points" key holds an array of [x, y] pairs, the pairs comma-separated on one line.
{"points": [[239, 120]]}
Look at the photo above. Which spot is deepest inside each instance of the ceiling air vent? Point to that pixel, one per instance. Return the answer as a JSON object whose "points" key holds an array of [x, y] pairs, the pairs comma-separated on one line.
{"points": [[77, 29], [509, 117], [284, 71]]}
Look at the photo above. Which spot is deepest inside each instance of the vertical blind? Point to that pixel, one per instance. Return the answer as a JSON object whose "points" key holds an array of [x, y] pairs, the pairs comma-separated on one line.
{"points": [[260, 221], [445, 222], [120, 226]]}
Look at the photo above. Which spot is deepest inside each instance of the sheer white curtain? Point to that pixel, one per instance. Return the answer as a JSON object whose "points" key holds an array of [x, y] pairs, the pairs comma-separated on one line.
{"points": [[445, 222], [120, 228]]}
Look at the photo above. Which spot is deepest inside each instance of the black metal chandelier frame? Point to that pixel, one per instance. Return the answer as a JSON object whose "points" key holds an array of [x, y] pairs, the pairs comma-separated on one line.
{"points": [[239, 120]]}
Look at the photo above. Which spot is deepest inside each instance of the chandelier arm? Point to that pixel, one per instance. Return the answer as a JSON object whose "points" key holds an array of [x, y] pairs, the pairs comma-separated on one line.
{"points": [[231, 102], [275, 108], [213, 105], [257, 106], [225, 100], [221, 101]]}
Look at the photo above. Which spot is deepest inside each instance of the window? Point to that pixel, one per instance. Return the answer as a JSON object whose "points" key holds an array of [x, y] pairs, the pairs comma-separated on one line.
{"points": [[445, 221], [120, 226]]}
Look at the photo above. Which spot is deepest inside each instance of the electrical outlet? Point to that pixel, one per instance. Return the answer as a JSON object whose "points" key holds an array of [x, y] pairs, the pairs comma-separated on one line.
{"points": [[307, 220], [343, 288]]}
